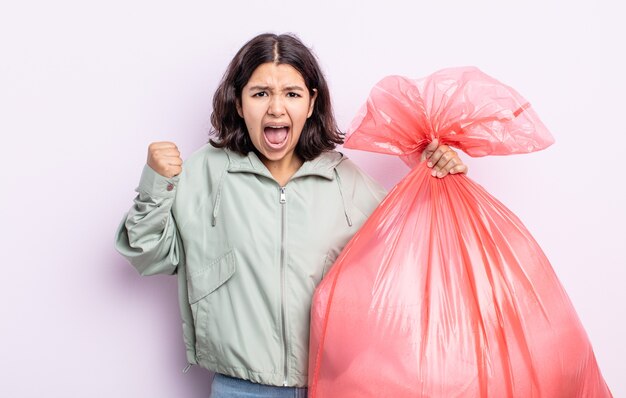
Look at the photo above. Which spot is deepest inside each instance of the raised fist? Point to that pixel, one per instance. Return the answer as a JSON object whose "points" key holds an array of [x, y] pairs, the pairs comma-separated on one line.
{"points": [[164, 158]]}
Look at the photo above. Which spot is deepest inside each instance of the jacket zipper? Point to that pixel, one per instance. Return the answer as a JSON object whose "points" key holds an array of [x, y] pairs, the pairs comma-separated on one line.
{"points": [[283, 201]]}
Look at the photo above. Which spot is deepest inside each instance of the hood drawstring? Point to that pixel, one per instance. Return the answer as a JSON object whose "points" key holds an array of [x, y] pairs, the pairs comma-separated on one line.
{"points": [[343, 198], [218, 196]]}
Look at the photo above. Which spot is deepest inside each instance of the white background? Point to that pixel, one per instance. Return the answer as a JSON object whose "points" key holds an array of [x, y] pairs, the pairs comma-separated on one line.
{"points": [[85, 86]]}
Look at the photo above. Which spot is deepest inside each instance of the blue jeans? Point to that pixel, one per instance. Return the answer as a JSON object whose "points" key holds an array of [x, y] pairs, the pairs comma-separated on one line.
{"points": [[230, 387]]}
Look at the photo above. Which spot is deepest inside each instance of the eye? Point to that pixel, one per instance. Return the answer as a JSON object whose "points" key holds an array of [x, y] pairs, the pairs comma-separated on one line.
{"points": [[260, 94], [291, 94]]}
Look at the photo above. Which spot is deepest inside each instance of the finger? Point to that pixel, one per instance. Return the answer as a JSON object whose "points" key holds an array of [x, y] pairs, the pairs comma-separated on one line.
{"points": [[174, 161], [160, 149], [166, 152], [161, 152], [170, 171], [459, 169], [454, 166], [175, 170], [448, 167], [447, 161], [165, 163], [429, 150], [441, 171], [441, 156]]}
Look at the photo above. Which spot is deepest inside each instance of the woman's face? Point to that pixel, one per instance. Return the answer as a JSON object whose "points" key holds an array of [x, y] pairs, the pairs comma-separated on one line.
{"points": [[275, 104]]}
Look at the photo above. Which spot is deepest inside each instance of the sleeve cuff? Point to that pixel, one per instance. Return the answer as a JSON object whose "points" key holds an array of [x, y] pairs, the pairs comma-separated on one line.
{"points": [[155, 185]]}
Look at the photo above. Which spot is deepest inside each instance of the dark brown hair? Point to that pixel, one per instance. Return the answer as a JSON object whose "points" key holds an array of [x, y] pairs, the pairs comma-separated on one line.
{"points": [[320, 132]]}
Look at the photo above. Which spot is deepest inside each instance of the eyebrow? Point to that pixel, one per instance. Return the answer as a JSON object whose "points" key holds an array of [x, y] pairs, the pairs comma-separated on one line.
{"points": [[267, 88], [294, 88]]}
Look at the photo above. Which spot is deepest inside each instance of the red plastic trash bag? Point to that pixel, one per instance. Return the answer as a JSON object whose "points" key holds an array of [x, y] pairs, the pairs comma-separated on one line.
{"points": [[443, 292]]}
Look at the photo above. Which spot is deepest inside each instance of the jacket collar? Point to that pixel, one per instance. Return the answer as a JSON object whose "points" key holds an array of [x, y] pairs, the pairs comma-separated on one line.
{"points": [[322, 166]]}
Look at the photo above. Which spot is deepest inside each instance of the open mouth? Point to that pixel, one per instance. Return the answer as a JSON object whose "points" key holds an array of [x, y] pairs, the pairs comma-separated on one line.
{"points": [[276, 135]]}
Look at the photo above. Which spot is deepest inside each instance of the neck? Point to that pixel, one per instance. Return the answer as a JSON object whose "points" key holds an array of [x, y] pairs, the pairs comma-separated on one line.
{"points": [[283, 169]]}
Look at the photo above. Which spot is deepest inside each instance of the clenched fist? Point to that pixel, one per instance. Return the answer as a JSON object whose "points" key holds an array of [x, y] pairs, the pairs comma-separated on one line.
{"points": [[164, 158]]}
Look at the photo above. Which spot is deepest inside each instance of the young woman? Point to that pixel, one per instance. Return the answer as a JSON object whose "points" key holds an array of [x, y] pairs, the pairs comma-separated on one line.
{"points": [[252, 221]]}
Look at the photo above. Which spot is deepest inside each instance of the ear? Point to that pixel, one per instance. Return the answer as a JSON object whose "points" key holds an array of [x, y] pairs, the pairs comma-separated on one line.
{"points": [[239, 109], [312, 103]]}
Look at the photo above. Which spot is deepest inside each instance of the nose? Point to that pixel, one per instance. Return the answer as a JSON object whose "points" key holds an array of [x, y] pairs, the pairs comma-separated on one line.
{"points": [[276, 107]]}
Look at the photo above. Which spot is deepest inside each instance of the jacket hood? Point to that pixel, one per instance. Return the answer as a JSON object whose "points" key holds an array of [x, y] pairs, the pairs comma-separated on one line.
{"points": [[322, 166]]}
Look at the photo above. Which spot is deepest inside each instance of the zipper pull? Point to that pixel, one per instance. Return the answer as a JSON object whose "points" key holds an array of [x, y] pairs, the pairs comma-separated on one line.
{"points": [[283, 200]]}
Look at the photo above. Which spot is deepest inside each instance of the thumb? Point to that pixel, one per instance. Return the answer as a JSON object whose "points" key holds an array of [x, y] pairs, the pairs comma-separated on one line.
{"points": [[430, 149]]}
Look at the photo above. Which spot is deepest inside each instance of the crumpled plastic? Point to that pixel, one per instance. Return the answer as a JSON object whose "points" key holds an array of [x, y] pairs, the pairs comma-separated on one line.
{"points": [[443, 292]]}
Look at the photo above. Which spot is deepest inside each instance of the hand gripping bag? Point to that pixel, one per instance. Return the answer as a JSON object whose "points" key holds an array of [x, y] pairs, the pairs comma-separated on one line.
{"points": [[443, 292]]}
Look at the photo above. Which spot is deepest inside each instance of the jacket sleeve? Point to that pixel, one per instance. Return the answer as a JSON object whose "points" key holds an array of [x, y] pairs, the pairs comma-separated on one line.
{"points": [[148, 236], [365, 192], [368, 193]]}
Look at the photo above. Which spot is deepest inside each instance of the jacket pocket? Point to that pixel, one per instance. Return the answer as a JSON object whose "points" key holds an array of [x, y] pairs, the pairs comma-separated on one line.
{"points": [[215, 274]]}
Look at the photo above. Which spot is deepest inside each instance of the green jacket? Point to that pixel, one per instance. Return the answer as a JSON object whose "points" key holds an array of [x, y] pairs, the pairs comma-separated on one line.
{"points": [[248, 253]]}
